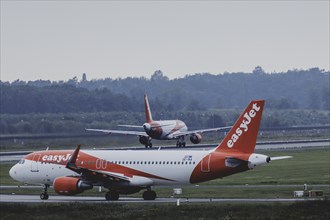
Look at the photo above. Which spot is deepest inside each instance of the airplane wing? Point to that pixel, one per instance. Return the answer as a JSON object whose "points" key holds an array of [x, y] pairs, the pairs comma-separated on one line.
{"points": [[104, 176], [131, 126], [136, 133], [200, 131]]}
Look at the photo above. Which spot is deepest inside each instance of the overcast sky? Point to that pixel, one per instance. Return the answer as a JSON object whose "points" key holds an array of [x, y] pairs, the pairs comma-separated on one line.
{"points": [[58, 40]]}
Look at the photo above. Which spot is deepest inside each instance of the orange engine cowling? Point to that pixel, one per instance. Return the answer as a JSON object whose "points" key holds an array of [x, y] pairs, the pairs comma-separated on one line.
{"points": [[195, 138], [70, 185]]}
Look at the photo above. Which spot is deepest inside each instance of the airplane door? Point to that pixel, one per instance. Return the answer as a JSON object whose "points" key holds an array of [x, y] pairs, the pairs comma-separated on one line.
{"points": [[34, 164], [205, 165]]}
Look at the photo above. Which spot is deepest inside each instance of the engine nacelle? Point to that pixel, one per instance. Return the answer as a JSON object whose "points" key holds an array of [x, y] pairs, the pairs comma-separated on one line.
{"points": [[70, 185], [143, 140], [195, 138]]}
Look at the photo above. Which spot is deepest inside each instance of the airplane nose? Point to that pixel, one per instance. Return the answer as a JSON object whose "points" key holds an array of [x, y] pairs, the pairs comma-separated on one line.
{"points": [[13, 172]]}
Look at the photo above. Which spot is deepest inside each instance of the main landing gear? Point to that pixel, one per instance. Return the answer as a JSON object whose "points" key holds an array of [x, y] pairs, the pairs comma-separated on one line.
{"points": [[149, 194], [180, 142], [44, 195], [112, 196]]}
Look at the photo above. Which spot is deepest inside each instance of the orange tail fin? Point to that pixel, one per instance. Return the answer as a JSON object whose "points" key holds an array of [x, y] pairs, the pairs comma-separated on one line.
{"points": [[147, 109], [242, 136]]}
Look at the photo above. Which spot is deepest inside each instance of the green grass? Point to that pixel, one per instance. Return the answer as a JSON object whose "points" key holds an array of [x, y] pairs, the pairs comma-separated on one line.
{"points": [[302, 210], [306, 166]]}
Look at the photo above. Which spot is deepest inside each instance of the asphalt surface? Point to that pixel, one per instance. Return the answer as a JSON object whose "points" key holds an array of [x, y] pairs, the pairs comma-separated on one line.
{"points": [[296, 186], [90, 199]]}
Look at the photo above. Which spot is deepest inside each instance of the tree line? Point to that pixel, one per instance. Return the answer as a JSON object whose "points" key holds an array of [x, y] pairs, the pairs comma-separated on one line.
{"points": [[295, 89]]}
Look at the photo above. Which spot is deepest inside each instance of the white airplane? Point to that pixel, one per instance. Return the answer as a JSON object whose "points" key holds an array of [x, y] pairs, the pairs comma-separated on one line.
{"points": [[128, 171], [161, 130]]}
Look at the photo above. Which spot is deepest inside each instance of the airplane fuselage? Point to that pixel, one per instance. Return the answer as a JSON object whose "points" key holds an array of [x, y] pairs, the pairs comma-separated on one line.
{"points": [[159, 167], [165, 130]]}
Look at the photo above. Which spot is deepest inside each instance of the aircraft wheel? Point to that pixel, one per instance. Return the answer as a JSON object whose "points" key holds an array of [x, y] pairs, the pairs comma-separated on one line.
{"points": [[44, 196], [112, 196], [150, 145], [149, 195]]}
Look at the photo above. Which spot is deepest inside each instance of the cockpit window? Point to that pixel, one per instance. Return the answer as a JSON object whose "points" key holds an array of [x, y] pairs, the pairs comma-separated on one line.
{"points": [[21, 161]]}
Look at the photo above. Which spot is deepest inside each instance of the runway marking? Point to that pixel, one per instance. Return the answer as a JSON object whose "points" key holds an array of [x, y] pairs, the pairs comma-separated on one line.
{"points": [[93, 199]]}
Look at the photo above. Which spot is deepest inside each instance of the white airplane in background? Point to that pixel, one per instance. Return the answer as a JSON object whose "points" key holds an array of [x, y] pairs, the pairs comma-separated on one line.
{"points": [[161, 130], [128, 171]]}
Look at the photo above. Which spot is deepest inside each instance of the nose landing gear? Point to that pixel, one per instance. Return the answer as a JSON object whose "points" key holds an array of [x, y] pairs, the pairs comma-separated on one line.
{"points": [[44, 195]]}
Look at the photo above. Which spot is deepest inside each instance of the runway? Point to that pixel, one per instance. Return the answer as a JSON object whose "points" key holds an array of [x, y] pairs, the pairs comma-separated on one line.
{"points": [[93, 199], [268, 145]]}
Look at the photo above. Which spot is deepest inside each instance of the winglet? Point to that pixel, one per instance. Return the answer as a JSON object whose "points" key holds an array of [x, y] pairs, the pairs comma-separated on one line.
{"points": [[242, 136], [72, 161], [147, 109]]}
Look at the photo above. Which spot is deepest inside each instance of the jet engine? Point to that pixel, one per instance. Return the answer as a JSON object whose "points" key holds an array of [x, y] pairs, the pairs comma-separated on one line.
{"points": [[195, 138], [143, 140], [70, 185]]}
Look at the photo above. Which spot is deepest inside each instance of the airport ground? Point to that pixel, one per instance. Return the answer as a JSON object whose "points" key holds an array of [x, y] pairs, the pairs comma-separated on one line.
{"points": [[317, 210], [277, 180]]}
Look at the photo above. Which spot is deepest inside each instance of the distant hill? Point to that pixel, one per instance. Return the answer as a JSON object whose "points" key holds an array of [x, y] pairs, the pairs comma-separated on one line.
{"points": [[295, 89]]}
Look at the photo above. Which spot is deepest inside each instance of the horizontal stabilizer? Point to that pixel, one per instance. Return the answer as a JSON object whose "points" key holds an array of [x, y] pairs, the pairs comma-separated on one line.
{"points": [[280, 158]]}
